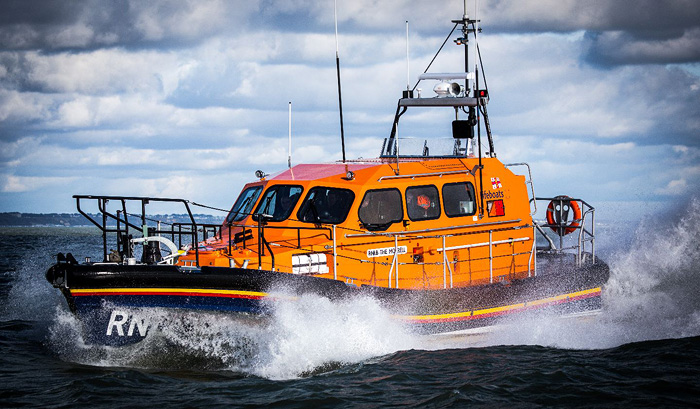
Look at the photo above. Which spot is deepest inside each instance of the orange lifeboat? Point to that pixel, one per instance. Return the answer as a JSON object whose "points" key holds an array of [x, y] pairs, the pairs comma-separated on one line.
{"points": [[440, 232]]}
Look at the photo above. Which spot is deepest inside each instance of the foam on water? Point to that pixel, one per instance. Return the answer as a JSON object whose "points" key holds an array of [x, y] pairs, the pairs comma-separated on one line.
{"points": [[307, 336], [315, 331], [652, 293]]}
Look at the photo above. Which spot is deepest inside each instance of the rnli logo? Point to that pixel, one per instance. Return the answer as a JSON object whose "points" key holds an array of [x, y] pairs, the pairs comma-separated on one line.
{"points": [[496, 183], [124, 324]]}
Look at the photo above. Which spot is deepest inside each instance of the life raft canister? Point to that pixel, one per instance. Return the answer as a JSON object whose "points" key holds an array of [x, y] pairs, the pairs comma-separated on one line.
{"points": [[558, 215]]}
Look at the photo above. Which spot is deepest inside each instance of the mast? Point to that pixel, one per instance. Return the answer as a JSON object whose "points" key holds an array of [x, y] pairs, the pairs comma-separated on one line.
{"points": [[467, 99], [474, 117]]}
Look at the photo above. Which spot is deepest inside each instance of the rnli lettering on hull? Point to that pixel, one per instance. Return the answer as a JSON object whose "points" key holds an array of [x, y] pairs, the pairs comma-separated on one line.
{"points": [[120, 320], [387, 251]]}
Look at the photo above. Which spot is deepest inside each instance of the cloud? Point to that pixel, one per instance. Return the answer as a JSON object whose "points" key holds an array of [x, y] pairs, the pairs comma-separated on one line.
{"points": [[649, 32], [89, 24], [549, 92], [646, 17], [95, 72], [22, 108], [19, 184], [620, 171], [180, 98], [622, 48]]}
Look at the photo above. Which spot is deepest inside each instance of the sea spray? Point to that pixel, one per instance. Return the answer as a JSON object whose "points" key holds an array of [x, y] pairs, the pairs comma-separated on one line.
{"points": [[304, 336], [315, 331], [652, 294], [653, 289]]}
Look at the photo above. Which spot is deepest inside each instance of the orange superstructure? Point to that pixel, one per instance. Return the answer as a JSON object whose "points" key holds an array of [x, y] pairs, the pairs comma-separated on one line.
{"points": [[422, 229]]}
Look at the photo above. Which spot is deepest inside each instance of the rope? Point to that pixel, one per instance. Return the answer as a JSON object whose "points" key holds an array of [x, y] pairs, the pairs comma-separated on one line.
{"points": [[207, 207], [481, 62], [436, 54]]}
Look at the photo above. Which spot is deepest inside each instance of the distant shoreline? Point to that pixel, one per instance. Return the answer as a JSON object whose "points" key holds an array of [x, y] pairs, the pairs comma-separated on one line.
{"points": [[17, 219]]}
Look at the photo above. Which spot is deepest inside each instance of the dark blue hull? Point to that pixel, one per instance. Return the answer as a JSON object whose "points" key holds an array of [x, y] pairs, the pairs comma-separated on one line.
{"points": [[116, 303]]}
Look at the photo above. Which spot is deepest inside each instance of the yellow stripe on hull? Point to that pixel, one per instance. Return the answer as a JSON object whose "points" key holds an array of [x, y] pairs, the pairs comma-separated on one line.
{"points": [[145, 291], [504, 309]]}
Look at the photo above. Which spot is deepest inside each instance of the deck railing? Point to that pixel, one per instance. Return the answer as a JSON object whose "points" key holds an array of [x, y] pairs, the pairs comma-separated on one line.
{"points": [[122, 225], [449, 232], [583, 245]]}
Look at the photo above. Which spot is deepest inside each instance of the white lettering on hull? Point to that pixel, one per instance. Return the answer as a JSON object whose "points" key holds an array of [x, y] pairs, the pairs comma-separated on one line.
{"points": [[119, 319], [386, 251]]}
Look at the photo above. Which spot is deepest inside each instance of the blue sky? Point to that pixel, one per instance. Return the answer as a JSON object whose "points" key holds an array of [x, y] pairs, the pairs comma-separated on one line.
{"points": [[188, 98]]}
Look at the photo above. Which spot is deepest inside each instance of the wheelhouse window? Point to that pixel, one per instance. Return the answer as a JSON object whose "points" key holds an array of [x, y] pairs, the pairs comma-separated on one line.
{"points": [[278, 202], [459, 199], [244, 204], [326, 205], [380, 208], [422, 202]]}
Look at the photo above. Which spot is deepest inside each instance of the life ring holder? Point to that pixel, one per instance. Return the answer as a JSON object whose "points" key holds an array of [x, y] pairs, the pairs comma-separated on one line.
{"points": [[558, 215]]}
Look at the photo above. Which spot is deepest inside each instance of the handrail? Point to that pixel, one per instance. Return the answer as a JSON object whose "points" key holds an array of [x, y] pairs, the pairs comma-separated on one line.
{"points": [[527, 182], [410, 233], [394, 262], [584, 235], [393, 279], [533, 254], [102, 202], [468, 246], [297, 228], [440, 102], [421, 175]]}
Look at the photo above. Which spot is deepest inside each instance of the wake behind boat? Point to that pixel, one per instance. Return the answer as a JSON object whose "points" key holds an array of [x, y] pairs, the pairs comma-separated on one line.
{"points": [[438, 230]]}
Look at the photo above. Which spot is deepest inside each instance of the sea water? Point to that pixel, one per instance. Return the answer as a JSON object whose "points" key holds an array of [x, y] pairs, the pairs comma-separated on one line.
{"points": [[642, 350]]}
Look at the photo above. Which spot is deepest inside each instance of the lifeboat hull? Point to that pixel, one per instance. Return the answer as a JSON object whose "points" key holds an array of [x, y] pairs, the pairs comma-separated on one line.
{"points": [[116, 304]]}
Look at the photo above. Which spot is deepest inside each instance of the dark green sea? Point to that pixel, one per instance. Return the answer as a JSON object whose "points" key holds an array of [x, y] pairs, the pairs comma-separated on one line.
{"points": [[642, 351]]}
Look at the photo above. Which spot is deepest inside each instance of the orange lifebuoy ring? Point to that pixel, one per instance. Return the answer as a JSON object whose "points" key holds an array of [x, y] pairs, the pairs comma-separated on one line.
{"points": [[558, 215]]}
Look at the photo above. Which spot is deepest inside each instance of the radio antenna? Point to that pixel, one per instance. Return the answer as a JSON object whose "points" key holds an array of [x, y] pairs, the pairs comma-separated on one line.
{"points": [[408, 66], [337, 68], [289, 158]]}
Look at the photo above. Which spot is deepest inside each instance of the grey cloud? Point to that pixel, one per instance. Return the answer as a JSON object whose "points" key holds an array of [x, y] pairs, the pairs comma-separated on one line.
{"points": [[675, 100], [667, 98], [619, 32], [87, 24], [621, 48], [58, 24], [643, 18]]}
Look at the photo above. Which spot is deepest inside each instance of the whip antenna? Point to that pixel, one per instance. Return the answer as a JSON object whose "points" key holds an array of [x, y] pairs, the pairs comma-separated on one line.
{"points": [[337, 68], [289, 158], [408, 66]]}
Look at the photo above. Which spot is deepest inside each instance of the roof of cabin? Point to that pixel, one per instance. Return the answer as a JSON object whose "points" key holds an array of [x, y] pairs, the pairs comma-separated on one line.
{"points": [[319, 171]]}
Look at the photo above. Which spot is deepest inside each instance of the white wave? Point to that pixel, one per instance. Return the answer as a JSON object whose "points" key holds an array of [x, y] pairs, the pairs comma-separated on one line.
{"points": [[315, 331], [309, 335]]}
